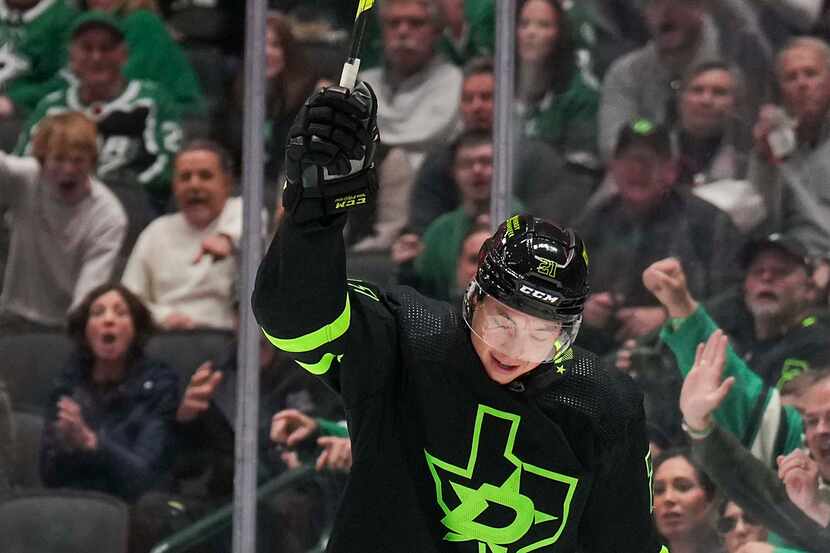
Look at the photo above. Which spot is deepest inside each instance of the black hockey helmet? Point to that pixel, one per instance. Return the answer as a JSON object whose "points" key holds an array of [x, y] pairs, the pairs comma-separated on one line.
{"points": [[536, 267]]}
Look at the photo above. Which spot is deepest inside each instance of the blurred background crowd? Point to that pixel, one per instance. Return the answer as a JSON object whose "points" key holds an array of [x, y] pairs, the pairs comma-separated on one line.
{"points": [[687, 141]]}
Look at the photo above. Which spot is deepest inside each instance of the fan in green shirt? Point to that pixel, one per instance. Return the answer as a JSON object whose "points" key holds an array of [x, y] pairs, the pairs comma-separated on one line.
{"points": [[435, 267], [33, 38]]}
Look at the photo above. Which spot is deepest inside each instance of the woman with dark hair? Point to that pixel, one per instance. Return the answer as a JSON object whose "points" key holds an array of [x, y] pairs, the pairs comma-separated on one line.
{"points": [[555, 100], [684, 502], [289, 79], [110, 422]]}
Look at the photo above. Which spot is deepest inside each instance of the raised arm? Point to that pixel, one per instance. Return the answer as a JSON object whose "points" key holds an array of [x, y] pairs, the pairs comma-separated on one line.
{"points": [[752, 411], [300, 297]]}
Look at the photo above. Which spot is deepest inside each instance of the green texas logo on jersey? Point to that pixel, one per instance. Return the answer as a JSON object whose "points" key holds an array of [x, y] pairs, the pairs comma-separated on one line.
{"points": [[524, 509]]}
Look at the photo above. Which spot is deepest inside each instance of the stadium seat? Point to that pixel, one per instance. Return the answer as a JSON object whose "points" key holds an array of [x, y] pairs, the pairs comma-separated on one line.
{"points": [[28, 428], [30, 365], [63, 521], [185, 350]]}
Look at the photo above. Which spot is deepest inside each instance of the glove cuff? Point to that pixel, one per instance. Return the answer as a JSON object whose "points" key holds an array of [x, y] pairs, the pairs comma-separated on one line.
{"points": [[308, 203]]}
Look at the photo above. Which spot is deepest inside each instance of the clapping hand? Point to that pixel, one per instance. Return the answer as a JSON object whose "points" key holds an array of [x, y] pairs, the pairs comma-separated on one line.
{"points": [[290, 427], [199, 392], [336, 455], [71, 428]]}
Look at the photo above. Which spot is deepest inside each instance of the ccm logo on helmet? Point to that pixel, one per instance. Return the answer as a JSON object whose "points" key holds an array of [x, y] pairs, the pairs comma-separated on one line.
{"points": [[537, 294]]}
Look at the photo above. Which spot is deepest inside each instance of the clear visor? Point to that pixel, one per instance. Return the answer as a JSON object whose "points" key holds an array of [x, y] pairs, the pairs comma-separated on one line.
{"points": [[515, 335]]}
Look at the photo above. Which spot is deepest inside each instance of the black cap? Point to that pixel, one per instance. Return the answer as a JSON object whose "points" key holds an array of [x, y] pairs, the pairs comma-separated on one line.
{"points": [[646, 133], [782, 242]]}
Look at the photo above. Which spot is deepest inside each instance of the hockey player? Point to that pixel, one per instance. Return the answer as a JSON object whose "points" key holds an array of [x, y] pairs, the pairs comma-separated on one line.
{"points": [[481, 431]]}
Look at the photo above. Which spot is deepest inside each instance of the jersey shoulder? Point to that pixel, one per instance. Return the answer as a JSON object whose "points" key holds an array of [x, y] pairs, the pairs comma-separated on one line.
{"points": [[427, 328], [610, 399]]}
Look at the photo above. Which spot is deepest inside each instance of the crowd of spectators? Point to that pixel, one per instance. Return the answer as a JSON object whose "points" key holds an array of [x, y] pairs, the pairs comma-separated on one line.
{"points": [[687, 142]]}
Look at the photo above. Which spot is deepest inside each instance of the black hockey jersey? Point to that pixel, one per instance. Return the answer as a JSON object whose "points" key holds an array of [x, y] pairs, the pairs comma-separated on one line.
{"points": [[445, 459]]}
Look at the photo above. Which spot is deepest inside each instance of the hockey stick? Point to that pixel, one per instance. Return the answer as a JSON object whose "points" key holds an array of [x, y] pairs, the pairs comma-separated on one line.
{"points": [[349, 75]]}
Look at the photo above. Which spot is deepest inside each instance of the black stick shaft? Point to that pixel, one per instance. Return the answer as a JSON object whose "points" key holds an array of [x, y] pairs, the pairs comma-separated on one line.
{"points": [[349, 75]]}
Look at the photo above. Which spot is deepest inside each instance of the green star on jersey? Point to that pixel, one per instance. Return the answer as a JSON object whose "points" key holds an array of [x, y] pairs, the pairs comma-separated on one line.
{"points": [[463, 519]]}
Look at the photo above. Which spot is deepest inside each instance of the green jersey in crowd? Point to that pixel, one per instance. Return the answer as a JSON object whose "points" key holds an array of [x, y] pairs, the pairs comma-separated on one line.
{"points": [[154, 56], [33, 49], [138, 133]]}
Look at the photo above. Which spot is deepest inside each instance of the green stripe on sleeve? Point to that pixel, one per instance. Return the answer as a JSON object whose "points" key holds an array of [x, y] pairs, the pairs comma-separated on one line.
{"points": [[319, 337], [322, 366]]}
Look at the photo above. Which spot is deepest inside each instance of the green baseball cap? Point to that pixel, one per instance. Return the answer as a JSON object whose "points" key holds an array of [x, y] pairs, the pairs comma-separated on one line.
{"points": [[96, 18]]}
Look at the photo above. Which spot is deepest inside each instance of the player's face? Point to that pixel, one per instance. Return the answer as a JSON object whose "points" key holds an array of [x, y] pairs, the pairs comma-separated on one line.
{"points": [[110, 330], [201, 187], [96, 57], [680, 503], [511, 343], [537, 32], [738, 528], [776, 285], [642, 177], [804, 80], [473, 172], [409, 35], [707, 103], [477, 101], [815, 407], [67, 172]]}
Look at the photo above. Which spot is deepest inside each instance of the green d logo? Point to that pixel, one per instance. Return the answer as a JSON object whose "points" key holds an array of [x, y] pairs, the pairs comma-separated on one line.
{"points": [[499, 516]]}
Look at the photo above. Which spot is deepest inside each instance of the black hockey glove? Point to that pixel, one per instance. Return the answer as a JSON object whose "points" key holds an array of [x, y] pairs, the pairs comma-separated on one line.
{"points": [[329, 155]]}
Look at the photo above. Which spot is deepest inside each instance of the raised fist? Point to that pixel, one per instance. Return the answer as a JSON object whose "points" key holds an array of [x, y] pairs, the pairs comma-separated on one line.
{"points": [[330, 153]]}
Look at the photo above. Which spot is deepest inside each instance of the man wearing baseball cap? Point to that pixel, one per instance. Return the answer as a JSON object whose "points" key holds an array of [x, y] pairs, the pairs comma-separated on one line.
{"points": [[645, 219], [771, 319]]}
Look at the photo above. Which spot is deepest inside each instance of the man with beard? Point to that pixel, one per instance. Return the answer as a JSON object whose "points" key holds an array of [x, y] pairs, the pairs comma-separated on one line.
{"points": [[793, 180], [771, 321], [182, 265], [792, 501], [684, 33], [67, 227], [769, 318]]}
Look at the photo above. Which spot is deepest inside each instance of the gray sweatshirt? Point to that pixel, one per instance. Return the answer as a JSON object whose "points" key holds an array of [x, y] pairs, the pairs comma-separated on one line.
{"points": [[58, 252]]}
